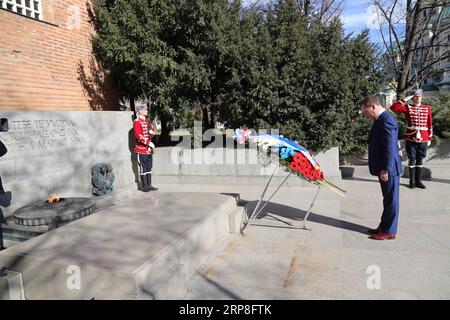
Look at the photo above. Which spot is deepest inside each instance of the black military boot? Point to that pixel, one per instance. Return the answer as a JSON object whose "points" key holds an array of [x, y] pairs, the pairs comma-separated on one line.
{"points": [[419, 172], [144, 183], [149, 182], [411, 177]]}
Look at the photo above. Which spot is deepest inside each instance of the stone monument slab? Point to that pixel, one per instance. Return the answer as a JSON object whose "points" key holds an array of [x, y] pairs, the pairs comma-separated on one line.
{"points": [[125, 249]]}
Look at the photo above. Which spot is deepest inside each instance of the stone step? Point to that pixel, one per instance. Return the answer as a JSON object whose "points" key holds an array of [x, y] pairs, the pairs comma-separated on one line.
{"points": [[292, 181], [112, 198], [235, 220], [16, 232], [11, 286], [9, 243], [170, 285], [430, 172], [125, 250]]}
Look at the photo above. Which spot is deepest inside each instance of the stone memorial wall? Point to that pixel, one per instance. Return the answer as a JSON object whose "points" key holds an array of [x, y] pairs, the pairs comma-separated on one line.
{"points": [[53, 152]]}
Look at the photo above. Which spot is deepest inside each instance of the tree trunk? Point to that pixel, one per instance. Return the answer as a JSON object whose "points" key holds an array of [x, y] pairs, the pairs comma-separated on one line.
{"points": [[212, 118], [205, 118], [165, 131], [306, 7], [132, 106]]}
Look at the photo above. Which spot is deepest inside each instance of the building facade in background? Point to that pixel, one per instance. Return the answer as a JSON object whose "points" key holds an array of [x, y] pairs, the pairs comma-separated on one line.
{"points": [[440, 80], [46, 59]]}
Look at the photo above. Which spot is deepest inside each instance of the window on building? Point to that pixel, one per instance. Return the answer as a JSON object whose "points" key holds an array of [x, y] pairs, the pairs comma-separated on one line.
{"points": [[29, 8]]}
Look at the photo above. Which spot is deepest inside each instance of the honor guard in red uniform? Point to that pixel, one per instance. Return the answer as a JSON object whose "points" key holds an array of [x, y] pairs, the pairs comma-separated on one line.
{"points": [[418, 135], [143, 131]]}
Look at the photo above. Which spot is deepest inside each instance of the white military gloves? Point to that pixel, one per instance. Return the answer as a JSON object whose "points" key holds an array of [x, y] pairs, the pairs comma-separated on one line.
{"points": [[408, 98]]}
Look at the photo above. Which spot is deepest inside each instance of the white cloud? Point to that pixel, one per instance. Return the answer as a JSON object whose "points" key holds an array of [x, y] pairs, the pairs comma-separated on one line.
{"points": [[354, 20], [358, 16]]}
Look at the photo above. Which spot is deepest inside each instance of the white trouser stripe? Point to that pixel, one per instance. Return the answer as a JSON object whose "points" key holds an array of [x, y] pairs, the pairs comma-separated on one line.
{"points": [[140, 168]]}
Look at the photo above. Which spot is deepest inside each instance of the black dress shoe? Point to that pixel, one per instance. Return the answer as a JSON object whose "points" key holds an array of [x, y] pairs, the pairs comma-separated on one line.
{"points": [[420, 185]]}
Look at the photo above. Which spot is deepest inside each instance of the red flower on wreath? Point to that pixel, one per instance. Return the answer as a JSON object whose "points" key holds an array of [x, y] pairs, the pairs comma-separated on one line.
{"points": [[302, 165]]}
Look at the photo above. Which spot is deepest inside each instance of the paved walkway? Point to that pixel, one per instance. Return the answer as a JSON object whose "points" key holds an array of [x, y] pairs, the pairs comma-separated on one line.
{"points": [[275, 260]]}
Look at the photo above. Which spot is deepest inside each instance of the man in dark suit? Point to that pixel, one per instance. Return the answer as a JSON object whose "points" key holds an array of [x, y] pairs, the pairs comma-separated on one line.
{"points": [[384, 162]]}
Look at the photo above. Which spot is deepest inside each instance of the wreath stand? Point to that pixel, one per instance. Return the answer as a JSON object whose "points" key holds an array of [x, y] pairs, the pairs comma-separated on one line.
{"points": [[262, 204]]}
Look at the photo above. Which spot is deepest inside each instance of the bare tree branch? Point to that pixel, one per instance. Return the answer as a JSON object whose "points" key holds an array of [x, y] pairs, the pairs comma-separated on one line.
{"points": [[391, 26], [389, 48], [427, 71], [323, 10], [423, 48]]}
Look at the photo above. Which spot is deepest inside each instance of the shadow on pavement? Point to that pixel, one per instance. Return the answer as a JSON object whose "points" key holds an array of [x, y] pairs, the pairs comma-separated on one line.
{"points": [[360, 179], [220, 287], [439, 180], [281, 210]]}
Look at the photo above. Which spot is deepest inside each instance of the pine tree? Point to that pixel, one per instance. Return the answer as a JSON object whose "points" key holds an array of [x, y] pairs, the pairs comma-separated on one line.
{"points": [[273, 66]]}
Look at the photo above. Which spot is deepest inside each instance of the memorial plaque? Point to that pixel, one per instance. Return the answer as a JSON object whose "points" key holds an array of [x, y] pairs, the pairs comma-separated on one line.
{"points": [[43, 135]]}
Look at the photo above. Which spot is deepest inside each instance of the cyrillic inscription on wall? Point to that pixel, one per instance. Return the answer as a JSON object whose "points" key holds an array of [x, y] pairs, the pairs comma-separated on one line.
{"points": [[42, 135]]}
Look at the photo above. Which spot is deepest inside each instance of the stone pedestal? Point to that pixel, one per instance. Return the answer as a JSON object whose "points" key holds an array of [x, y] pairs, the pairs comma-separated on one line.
{"points": [[144, 247], [11, 286]]}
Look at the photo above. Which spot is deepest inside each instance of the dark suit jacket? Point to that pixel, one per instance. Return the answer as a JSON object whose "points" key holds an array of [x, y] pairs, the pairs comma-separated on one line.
{"points": [[3, 149], [383, 146]]}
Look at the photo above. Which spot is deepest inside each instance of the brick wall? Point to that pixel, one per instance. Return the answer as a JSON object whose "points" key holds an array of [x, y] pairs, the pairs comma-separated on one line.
{"points": [[49, 65]]}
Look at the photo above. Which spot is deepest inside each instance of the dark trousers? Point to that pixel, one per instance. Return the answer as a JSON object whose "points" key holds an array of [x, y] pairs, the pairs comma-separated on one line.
{"points": [[416, 152], [145, 163], [389, 218]]}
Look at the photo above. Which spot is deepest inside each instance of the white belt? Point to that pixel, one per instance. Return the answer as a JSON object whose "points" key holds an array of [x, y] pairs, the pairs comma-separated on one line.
{"points": [[418, 134], [417, 128]]}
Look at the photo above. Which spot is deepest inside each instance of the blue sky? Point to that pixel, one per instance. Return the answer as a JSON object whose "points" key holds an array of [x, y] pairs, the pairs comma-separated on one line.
{"points": [[356, 17]]}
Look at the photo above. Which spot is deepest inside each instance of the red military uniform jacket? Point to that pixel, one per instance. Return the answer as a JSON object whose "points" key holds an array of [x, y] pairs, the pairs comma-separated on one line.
{"points": [[143, 131], [419, 123]]}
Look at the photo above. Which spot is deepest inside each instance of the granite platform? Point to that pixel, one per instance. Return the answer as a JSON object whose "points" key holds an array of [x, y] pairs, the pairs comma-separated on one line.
{"points": [[144, 247]]}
